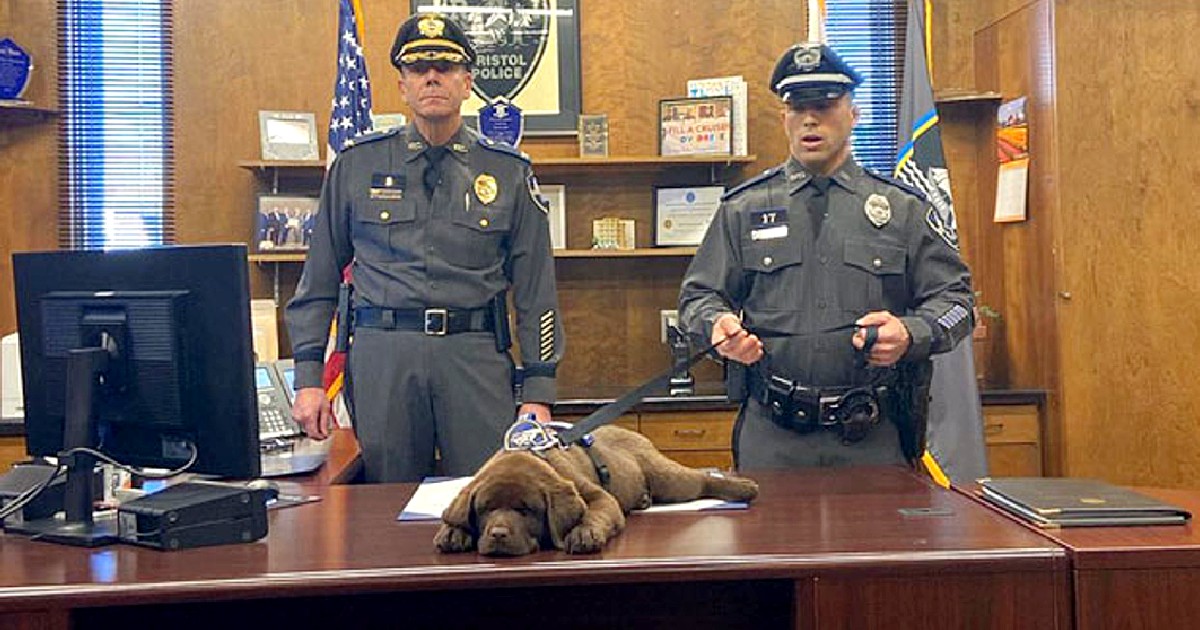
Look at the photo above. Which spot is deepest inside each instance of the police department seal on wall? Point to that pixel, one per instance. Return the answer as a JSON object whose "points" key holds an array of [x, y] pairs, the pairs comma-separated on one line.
{"points": [[510, 37], [527, 51]]}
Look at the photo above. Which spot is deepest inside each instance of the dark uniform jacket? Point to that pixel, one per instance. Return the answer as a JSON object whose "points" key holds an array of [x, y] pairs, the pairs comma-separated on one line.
{"points": [[764, 257], [484, 231]]}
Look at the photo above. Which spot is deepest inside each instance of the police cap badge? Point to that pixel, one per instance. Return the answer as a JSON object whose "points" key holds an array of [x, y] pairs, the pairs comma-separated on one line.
{"points": [[812, 71], [431, 37]]}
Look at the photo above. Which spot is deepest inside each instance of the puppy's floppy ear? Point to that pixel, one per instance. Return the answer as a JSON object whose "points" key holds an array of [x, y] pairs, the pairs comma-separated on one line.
{"points": [[564, 510], [461, 512]]}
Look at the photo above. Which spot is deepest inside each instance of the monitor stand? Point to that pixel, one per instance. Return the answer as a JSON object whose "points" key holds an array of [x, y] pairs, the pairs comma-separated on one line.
{"points": [[77, 527]]}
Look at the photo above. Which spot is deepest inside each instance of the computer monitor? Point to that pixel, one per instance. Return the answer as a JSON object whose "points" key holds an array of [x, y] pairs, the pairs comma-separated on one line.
{"points": [[145, 355]]}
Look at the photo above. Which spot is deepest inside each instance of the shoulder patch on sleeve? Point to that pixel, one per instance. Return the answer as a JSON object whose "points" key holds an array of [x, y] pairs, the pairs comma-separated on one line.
{"points": [[505, 148], [373, 136], [916, 192], [761, 177]]}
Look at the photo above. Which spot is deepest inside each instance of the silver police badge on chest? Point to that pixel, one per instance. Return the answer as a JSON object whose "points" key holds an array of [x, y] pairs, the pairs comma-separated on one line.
{"points": [[878, 210]]}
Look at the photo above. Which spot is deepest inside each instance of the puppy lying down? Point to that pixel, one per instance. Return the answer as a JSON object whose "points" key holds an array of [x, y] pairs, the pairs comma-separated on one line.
{"points": [[520, 502]]}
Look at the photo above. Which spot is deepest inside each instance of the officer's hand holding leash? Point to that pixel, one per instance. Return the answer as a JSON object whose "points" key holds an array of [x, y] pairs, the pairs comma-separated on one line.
{"points": [[735, 342], [541, 412], [892, 339], [313, 412]]}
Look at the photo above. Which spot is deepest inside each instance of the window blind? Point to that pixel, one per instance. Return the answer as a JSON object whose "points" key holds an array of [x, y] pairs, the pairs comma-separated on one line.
{"points": [[116, 153], [869, 35]]}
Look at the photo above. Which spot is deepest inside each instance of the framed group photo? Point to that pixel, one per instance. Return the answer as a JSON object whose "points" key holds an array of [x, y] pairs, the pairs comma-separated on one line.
{"points": [[284, 223], [527, 51], [695, 126]]}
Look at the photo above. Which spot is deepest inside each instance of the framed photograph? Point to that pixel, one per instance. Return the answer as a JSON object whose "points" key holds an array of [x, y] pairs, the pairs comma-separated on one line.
{"points": [[556, 198], [695, 126], [528, 52], [682, 214], [284, 223], [288, 135]]}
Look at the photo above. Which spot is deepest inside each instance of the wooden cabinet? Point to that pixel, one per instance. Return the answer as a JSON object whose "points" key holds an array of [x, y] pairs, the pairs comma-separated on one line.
{"points": [[698, 438], [1013, 435]]}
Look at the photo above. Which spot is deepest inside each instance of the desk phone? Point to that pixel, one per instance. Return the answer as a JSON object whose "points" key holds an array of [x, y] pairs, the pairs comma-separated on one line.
{"points": [[274, 404]]}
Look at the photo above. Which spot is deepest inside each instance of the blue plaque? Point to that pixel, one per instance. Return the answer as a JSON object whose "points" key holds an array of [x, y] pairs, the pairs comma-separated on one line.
{"points": [[501, 121], [14, 69]]}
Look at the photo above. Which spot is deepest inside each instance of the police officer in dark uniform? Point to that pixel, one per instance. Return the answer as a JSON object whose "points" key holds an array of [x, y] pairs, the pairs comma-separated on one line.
{"points": [[811, 262], [439, 223]]}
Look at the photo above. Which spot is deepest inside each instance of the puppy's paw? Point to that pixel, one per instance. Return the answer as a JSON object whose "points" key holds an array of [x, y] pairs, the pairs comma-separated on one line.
{"points": [[584, 539], [450, 539], [730, 488]]}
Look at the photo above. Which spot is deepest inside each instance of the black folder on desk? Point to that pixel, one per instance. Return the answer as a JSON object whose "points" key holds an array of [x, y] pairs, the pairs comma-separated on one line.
{"points": [[1067, 502]]}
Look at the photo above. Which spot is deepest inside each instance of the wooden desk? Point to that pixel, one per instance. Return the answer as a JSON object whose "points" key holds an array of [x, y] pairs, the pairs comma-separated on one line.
{"points": [[818, 550], [1136, 577]]}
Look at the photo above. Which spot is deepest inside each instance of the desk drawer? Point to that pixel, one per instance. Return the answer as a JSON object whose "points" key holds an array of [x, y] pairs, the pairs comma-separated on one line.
{"points": [[1011, 424], [628, 421], [1014, 440], [697, 431], [721, 460]]}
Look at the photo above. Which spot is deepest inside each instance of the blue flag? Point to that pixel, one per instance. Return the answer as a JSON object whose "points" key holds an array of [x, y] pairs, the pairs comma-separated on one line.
{"points": [[350, 116], [954, 439]]}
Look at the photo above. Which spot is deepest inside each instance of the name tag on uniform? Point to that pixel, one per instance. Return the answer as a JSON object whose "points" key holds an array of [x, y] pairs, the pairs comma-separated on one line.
{"points": [[768, 224], [389, 186]]}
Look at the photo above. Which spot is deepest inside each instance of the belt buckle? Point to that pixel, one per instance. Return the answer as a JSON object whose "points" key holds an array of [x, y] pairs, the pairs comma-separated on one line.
{"points": [[435, 321]]}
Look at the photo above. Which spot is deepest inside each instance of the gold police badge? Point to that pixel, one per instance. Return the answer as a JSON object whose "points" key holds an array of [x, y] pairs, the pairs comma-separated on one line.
{"points": [[431, 26], [878, 210], [486, 188]]}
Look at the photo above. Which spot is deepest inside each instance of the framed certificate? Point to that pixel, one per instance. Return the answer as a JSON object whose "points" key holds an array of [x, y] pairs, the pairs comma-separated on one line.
{"points": [[695, 126], [556, 201], [288, 135], [682, 215], [284, 223]]}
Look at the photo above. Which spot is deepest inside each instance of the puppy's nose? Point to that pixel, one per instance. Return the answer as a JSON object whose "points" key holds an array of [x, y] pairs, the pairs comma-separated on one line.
{"points": [[499, 533]]}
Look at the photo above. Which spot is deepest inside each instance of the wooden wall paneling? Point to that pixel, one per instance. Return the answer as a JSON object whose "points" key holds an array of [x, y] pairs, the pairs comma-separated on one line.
{"points": [[964, 125], [953, 26], [632, 55], [29, 151], [1130, 334], [1015, 57]]}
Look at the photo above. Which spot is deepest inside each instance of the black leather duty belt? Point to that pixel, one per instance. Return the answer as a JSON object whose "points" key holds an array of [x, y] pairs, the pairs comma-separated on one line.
{"points": [[850, 411], [431, 321]]}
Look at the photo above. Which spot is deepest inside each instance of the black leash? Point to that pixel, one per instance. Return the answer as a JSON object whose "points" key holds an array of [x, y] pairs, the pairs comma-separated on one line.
{"points": [[613, 410]]}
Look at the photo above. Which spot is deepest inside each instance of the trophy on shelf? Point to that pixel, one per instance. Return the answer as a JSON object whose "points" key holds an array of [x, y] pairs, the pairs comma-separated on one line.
{"points": [[501, 121], [15, 65]]}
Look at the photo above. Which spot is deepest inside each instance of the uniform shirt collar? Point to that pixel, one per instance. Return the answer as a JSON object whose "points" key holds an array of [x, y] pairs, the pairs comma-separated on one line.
{"points": [[798, 176], [459, 144]]}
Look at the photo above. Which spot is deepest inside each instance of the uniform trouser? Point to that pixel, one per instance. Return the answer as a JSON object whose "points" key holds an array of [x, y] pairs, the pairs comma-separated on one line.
{"points": [[760, 443], [411, 392]]}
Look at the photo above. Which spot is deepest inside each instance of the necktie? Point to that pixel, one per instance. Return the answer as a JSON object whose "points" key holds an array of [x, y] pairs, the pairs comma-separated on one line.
{"points": [[433, 170], [818, 206]]}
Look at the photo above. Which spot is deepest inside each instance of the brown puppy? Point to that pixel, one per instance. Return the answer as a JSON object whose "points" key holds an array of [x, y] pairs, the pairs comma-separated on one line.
{"points": [[520, 502]]}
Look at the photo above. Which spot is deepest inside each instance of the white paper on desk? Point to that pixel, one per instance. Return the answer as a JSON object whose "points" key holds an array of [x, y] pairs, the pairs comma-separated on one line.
{"points": [[434, 495]]}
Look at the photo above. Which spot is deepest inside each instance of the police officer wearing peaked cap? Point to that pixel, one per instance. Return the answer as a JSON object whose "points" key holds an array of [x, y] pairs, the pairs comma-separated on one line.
{"points": [[439, 225], [431, 37], [797, 268]]}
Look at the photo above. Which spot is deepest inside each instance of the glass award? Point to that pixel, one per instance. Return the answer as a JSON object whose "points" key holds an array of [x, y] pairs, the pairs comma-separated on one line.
{"points": [[15, 65], [501, 121]]}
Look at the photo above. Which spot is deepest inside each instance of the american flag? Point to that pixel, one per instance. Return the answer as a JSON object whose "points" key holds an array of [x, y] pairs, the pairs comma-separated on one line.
{"points": [[351, 113]]}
